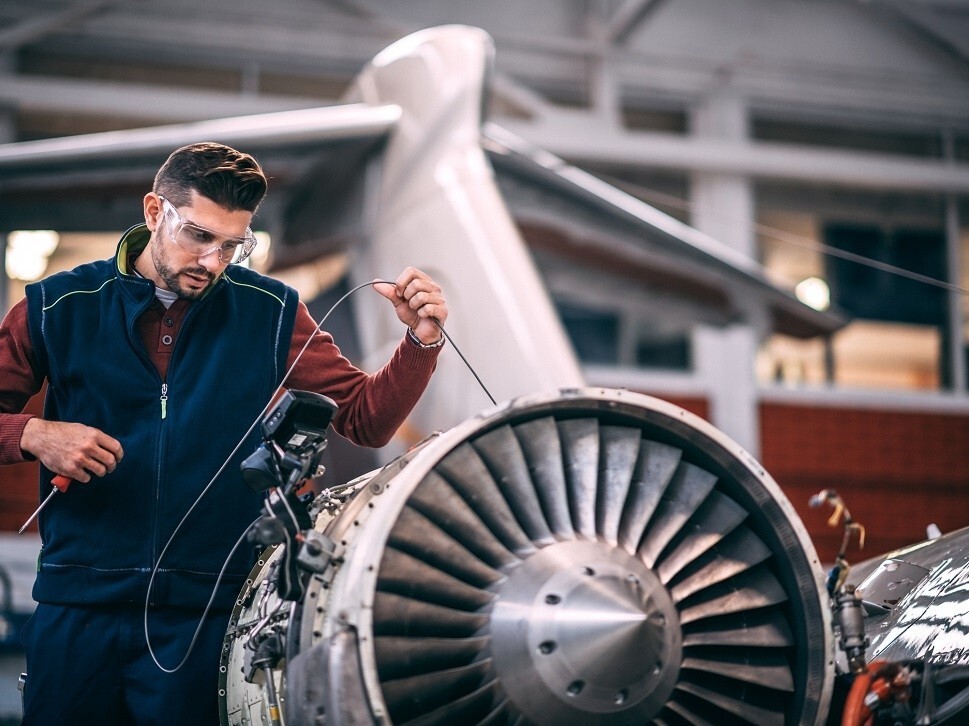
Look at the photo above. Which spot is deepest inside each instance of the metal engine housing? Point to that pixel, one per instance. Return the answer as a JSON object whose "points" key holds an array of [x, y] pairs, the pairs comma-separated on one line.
{"points": [[593, 556]]}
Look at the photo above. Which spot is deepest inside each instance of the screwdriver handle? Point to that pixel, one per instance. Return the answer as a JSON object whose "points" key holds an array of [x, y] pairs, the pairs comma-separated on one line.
{"points": [[61, 482]]}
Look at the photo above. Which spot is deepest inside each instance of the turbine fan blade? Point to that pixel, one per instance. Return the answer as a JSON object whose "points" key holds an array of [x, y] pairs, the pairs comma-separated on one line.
{"points": [[540, 443], [749, 591], [478, 707], [762, 667], [441, 504], [469, 476], [690, 716], [686, 492], [740, 551], [717, 517], [619, 450], [505, 460], [503, 713], [653, 472], [395, 614], [406, 575], [409, 698], [418, 536], [531, 542], [760, 629], [399, 657], [580, 447], [735, 702]]}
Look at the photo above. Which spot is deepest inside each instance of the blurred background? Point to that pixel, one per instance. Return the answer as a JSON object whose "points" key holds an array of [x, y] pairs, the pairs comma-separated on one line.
{"points": [[765, 220]]}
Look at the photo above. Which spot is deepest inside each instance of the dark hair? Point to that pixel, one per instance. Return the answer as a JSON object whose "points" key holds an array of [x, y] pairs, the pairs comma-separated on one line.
{"points": [[229, 178]]}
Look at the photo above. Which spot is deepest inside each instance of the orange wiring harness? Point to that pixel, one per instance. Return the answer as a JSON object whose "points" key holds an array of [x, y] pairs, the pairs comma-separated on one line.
{"points": [[880, 683]]}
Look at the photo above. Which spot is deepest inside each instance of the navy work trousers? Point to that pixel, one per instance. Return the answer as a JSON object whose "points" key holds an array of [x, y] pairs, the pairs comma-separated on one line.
{"points": [[90, 665]]}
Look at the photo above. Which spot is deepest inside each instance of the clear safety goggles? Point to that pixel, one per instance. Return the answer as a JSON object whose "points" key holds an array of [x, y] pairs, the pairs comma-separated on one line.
{"points": [[198, 241]]}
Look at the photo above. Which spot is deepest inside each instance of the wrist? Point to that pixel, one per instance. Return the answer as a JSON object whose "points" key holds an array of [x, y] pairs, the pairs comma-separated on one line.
{"points": [[28, 434], [421, 344]]}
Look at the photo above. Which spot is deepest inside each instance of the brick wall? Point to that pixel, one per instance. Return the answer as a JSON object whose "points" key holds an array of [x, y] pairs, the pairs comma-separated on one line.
{"points": [[897, 471]]}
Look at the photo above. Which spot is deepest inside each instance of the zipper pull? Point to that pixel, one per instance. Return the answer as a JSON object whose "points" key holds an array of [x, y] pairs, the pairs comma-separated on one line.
{"points": [[164, 400]]}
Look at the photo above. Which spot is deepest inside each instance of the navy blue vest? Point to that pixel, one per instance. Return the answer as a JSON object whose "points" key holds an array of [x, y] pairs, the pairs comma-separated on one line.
{"points": [[101, 539]]}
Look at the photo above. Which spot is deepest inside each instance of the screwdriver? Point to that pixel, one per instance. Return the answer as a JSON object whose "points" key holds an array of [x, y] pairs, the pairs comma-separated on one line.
{"points": [[60, 483]]}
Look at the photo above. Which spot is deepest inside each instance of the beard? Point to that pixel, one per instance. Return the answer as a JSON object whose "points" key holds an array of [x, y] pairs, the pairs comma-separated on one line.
{"points": [[173, 278]]}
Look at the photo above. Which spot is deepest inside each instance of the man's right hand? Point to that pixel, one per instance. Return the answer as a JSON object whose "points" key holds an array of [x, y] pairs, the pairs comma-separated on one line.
{"points": [[72, 449]]}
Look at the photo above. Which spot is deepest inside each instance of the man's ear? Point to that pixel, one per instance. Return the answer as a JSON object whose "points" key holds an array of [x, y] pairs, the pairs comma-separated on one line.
{"points": [[153, 210]]}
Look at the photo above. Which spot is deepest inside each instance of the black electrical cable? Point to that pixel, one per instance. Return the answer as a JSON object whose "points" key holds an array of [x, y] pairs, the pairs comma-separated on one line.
{"points": [[154, 571], [288, 543], [461, 355]]}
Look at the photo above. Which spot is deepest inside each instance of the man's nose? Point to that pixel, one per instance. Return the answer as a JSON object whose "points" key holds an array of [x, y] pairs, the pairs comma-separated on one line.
{"points": [[210, 261]]}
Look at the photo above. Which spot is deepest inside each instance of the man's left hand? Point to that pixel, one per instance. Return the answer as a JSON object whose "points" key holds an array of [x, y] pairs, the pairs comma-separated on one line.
{"points": [[418, 301]]}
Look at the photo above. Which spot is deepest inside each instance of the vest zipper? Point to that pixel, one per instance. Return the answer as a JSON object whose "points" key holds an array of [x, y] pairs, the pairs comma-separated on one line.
{"points": [[164, 400]]}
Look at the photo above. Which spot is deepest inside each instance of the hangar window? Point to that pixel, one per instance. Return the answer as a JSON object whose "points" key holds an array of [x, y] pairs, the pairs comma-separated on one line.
{"points": [[624, 338], [670, 351], [594, 333], [874, 294], [903, 333], [883, 303]]}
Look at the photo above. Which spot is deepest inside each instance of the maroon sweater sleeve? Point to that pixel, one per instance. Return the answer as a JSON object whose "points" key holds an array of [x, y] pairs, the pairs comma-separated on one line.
{"points": [[18, 381], [371, 407]]}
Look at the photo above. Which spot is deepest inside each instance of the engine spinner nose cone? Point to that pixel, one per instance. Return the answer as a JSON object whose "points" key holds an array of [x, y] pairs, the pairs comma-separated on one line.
{"points": [[583, 631]]}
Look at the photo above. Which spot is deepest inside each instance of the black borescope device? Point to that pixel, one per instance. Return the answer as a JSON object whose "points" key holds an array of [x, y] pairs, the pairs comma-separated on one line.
{"points": [[294, 437]]}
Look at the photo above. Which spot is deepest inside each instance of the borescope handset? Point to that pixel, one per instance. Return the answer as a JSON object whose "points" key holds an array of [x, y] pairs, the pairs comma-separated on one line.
{"points": [[294, 439]]}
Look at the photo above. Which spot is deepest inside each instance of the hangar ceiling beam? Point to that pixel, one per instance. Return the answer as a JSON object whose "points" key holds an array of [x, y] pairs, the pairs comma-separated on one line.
{"points": [[229, 42], [575, 137], [786, 88], [926, 19], [45, 23], [627, 18], [582, 144], [136, 101]]}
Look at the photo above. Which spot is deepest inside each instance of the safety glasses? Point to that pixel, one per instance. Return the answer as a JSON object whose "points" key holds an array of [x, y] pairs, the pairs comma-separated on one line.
{"points": [[198, 241]]}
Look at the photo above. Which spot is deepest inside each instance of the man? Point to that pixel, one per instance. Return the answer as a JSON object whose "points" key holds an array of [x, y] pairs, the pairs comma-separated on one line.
{"points": [[157, 362]]}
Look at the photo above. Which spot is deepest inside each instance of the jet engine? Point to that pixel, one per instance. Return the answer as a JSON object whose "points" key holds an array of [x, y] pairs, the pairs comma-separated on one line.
{"points": [[588, 557]]}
